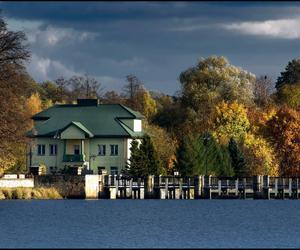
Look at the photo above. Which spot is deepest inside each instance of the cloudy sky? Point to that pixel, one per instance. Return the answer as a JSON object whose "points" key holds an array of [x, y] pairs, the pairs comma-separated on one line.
{"points": [[153, 40]]}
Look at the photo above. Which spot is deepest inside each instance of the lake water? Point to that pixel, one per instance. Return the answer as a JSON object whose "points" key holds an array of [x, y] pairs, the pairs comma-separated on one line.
{"points": [[149, 223]]}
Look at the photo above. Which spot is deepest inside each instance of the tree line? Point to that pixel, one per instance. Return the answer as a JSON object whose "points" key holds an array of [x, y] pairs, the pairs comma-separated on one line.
{"points": [[223, 121]]}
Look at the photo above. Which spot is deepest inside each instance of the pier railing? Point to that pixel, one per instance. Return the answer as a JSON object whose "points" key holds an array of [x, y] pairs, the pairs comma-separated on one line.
{"points": [[198, 187]]}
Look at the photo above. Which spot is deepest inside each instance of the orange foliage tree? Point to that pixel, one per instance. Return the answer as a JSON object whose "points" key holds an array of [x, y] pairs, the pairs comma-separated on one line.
{"points": [[284, 133]]}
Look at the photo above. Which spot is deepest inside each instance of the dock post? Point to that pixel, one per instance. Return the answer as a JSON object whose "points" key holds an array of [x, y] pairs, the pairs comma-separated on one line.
{"points": [[266, 185], [130, 189], [290, 188], [207, 187], [237, 188], [297, 188], [256, 186], [276, 187], [197, 187], [219, 188], [149, 187], [227, 188], [244, 188], [180, 188], [283, 188], [166, 188], [116, 184]]}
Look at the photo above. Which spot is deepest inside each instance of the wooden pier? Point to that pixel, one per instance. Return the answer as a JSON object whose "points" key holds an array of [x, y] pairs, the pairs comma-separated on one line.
{"points": [[198, 187]]}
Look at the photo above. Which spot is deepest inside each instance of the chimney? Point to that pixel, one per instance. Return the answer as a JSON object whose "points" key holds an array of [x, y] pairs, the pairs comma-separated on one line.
{"points": [[87, 102]]}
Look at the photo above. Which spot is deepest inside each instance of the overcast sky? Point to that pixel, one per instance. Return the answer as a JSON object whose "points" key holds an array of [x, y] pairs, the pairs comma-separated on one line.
{"points": [[153, 40]]}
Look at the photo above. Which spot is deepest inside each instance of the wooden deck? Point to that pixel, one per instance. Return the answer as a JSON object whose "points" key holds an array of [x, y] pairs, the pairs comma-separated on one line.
{"points": [[198, 187]]}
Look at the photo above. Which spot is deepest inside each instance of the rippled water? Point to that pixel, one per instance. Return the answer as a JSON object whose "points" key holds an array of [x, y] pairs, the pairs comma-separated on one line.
{"points": [[150, 223]]}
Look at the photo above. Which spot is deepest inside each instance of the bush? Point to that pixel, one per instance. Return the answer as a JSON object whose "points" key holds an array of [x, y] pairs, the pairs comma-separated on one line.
{"points": [[29, 193], [2, 196]]}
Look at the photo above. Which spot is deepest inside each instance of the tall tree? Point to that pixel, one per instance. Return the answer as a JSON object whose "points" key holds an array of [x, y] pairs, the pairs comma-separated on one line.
{"points": [[203, 155], [283, 131], [212, 80], [144, 159], [263, 89], [132, 90], [289, 94], [15, 87], [84, 87], [291, 75], [237, 160], [135, 166], [13, 50]]}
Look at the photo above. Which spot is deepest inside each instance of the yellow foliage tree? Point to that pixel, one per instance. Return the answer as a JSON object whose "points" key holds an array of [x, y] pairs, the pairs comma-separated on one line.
{"points": [[148, 104], [33, 105], [164, 144], [232, 121]]}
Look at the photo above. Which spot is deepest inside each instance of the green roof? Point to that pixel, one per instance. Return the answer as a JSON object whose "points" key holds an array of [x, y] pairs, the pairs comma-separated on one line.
{"points": [[101, 120], [80, 126]]}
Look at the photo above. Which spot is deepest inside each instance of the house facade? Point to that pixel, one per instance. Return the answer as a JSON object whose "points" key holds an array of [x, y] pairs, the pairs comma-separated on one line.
{"points": [[87, 135]]}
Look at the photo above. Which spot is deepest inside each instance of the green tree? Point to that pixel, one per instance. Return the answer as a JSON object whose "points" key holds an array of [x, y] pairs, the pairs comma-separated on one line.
{"points": [[135, 166], [289, 94], [186, 157], [237, 160], [143, 160], [194, 157], [151, 159], [291, 75]]}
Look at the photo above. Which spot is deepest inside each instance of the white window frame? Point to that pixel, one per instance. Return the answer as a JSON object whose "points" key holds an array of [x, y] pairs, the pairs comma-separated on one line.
{"points": [[101, 149], [114, 149]]}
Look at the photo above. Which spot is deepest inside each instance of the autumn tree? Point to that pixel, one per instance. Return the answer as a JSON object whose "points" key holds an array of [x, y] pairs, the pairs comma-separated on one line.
{"points": [[165, 145], [15, 87], [283, 131], [212, 80], [231, 121]]}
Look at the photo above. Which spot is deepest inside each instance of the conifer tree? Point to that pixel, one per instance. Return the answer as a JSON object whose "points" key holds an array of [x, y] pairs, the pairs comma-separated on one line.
{"points": [[185, 158], [194, 157], [150, 157], [144, 159], [237, 159], [134, 166]]}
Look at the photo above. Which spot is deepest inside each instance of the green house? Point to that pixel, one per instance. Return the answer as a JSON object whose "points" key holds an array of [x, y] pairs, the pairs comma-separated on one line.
{"points": [[87, 135]]}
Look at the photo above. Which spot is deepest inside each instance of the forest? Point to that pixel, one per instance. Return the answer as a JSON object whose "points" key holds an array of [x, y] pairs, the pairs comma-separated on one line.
{"points": [[223, 120]]}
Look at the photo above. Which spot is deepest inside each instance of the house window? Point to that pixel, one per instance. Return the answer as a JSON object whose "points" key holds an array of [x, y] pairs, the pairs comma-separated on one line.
{"points": [[101, 149], [101, 170], [113, 149], [41, 149], [76, 150], [53, 149], [114, 170]]}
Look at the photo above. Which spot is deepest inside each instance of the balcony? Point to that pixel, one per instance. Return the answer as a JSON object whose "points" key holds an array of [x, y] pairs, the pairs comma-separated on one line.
{"points": [[74, 158]]}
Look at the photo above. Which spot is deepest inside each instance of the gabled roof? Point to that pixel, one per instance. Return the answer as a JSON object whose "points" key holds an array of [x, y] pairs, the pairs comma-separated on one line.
{"points": [[80, 126], [98, 120]]}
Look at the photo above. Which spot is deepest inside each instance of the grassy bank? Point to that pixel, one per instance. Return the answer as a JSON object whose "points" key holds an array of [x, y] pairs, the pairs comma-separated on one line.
{"points": [[29, 193]]}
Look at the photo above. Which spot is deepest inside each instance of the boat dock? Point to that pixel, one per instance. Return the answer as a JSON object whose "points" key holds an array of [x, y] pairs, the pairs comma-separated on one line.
{"points": [[198, 187]]}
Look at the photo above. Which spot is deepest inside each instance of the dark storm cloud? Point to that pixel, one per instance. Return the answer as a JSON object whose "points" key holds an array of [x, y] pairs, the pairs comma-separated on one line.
{"points": [[154, 40]]}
